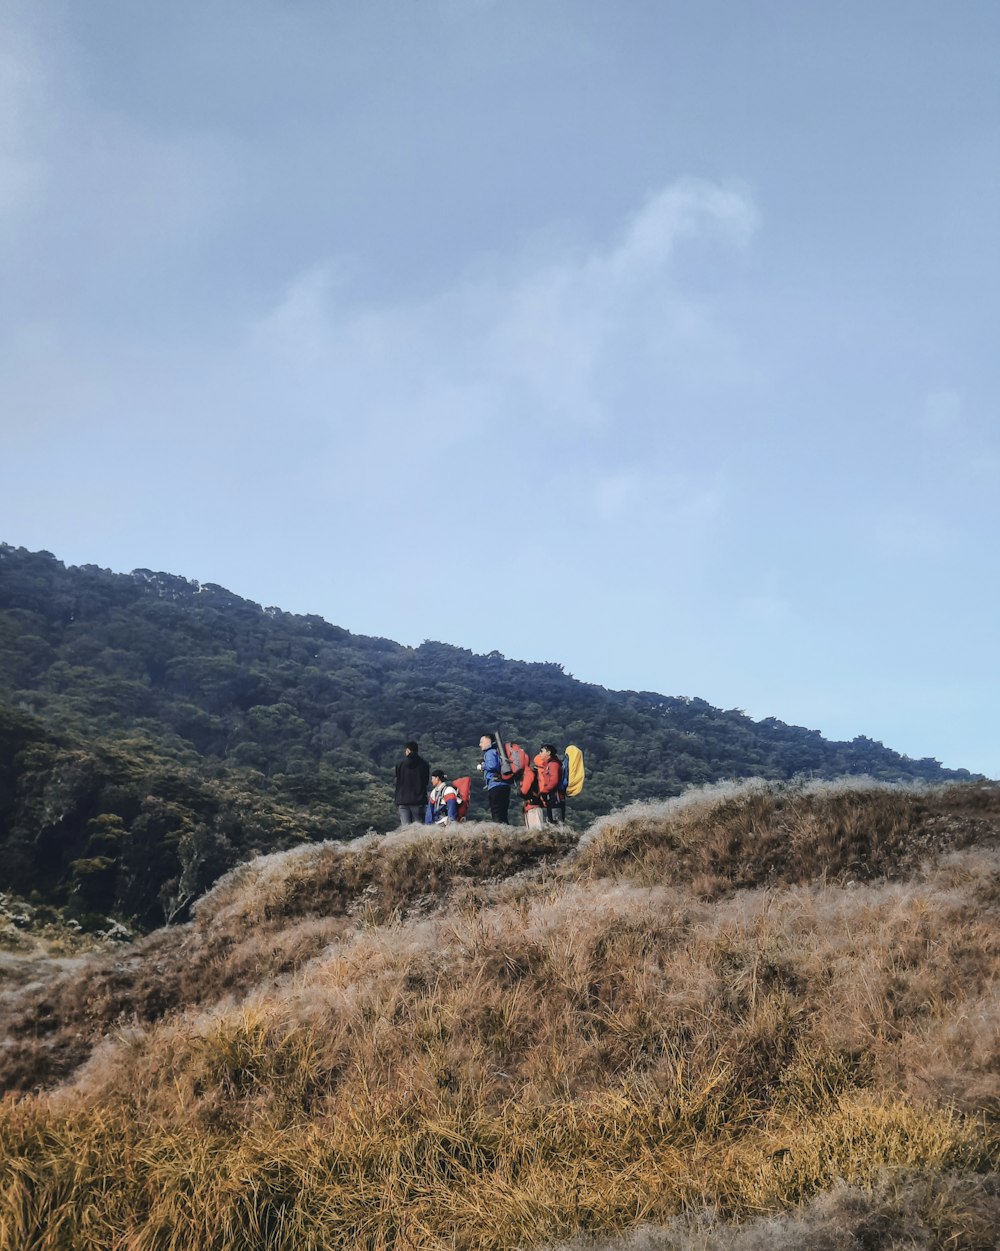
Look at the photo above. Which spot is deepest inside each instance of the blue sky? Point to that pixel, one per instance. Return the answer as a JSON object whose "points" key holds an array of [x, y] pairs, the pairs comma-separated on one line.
{"points": [[657, 339]]}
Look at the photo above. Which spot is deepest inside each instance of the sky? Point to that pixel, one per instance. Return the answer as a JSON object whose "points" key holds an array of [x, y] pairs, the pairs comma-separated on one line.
{"points": [[656, 339]]}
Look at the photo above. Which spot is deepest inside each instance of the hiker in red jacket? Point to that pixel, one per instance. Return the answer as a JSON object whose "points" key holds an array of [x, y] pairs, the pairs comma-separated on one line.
{"points": [[548, 770]]}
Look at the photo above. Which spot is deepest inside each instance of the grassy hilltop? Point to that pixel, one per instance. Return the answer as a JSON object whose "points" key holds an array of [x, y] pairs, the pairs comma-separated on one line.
{"points": [[754, 1016]]}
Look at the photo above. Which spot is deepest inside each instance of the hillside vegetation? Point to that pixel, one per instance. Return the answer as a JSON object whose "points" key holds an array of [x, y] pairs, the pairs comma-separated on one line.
{"points": [[155, 732], [753, 1015]]}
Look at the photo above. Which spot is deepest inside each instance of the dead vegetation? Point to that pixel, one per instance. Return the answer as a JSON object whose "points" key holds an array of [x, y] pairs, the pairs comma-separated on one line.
{"points": [[902, 1211], [480, 1040], [719, 838], [262, 921]]}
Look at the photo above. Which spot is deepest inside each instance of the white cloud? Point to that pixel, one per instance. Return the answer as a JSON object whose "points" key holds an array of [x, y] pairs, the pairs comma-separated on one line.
{"points": [[686, 208], [299, 327], [541, 349]]}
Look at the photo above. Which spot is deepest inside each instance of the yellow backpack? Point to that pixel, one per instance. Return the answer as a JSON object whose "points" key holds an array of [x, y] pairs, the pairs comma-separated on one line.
{"points": [[573, 770]]}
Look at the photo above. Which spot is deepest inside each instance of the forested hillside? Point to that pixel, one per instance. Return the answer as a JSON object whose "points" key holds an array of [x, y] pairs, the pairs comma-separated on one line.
{"points": [[154, 732]]}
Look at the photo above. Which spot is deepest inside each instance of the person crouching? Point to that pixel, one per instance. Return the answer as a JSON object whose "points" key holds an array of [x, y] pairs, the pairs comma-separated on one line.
{"points": [[442, 805]]}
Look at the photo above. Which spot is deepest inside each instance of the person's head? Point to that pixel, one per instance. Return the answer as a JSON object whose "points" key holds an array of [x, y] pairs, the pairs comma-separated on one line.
{"points": [[438, 776], [486, 741], [548, 752], [411, 748]]}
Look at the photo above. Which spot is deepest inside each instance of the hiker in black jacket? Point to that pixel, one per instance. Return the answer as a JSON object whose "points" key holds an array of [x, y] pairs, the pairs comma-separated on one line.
{"points": [[413, 774]]}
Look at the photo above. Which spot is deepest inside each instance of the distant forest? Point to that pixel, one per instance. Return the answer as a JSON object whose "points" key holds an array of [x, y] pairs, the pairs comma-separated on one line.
{"points": [[154, 731]]}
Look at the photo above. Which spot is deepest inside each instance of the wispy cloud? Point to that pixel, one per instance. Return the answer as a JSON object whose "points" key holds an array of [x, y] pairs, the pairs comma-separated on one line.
{"points": [[538, 346]]}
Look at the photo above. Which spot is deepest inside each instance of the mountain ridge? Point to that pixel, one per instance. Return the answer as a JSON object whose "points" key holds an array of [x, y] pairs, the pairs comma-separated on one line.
{"points": [[157, 727]]}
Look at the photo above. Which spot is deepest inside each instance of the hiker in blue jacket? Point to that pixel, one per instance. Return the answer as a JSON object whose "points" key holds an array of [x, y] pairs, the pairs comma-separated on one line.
{"points": [[497, 790]]}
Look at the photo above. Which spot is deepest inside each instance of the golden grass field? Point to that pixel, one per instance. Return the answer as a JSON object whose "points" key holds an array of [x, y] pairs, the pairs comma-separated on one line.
{"points": [[754, 1016]]}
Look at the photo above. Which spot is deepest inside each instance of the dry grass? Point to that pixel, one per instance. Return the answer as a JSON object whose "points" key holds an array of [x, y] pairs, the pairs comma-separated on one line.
{"points": [[749, 834], [944, 1211], [260, 922], [485, 1052], [375, 1178]]}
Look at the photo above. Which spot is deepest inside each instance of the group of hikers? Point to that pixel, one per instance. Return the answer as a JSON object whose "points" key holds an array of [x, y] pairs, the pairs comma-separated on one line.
{"points": [[428, 796]]}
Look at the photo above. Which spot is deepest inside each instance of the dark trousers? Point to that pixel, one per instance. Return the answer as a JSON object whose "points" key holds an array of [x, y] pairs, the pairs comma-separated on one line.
{"points": [[499, 797], [411, 814], [555, 809]]}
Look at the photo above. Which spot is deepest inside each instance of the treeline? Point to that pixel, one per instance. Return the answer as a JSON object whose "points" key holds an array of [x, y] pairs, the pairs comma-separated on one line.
{"points": [[114, 828], [156, 730]]}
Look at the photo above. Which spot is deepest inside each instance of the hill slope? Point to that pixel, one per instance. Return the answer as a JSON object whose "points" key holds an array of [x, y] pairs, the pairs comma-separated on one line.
{"points": [[156, 731], [727, 1004]]}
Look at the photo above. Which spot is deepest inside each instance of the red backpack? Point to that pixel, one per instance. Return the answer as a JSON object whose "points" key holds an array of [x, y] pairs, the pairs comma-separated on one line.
{"points": [[513, 759], [464, 787], [515, 765]]}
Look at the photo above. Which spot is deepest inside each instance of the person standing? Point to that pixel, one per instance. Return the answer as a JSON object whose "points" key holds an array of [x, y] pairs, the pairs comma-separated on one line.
{"points": [[413, 775], [497, 790], [548, 770]]}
